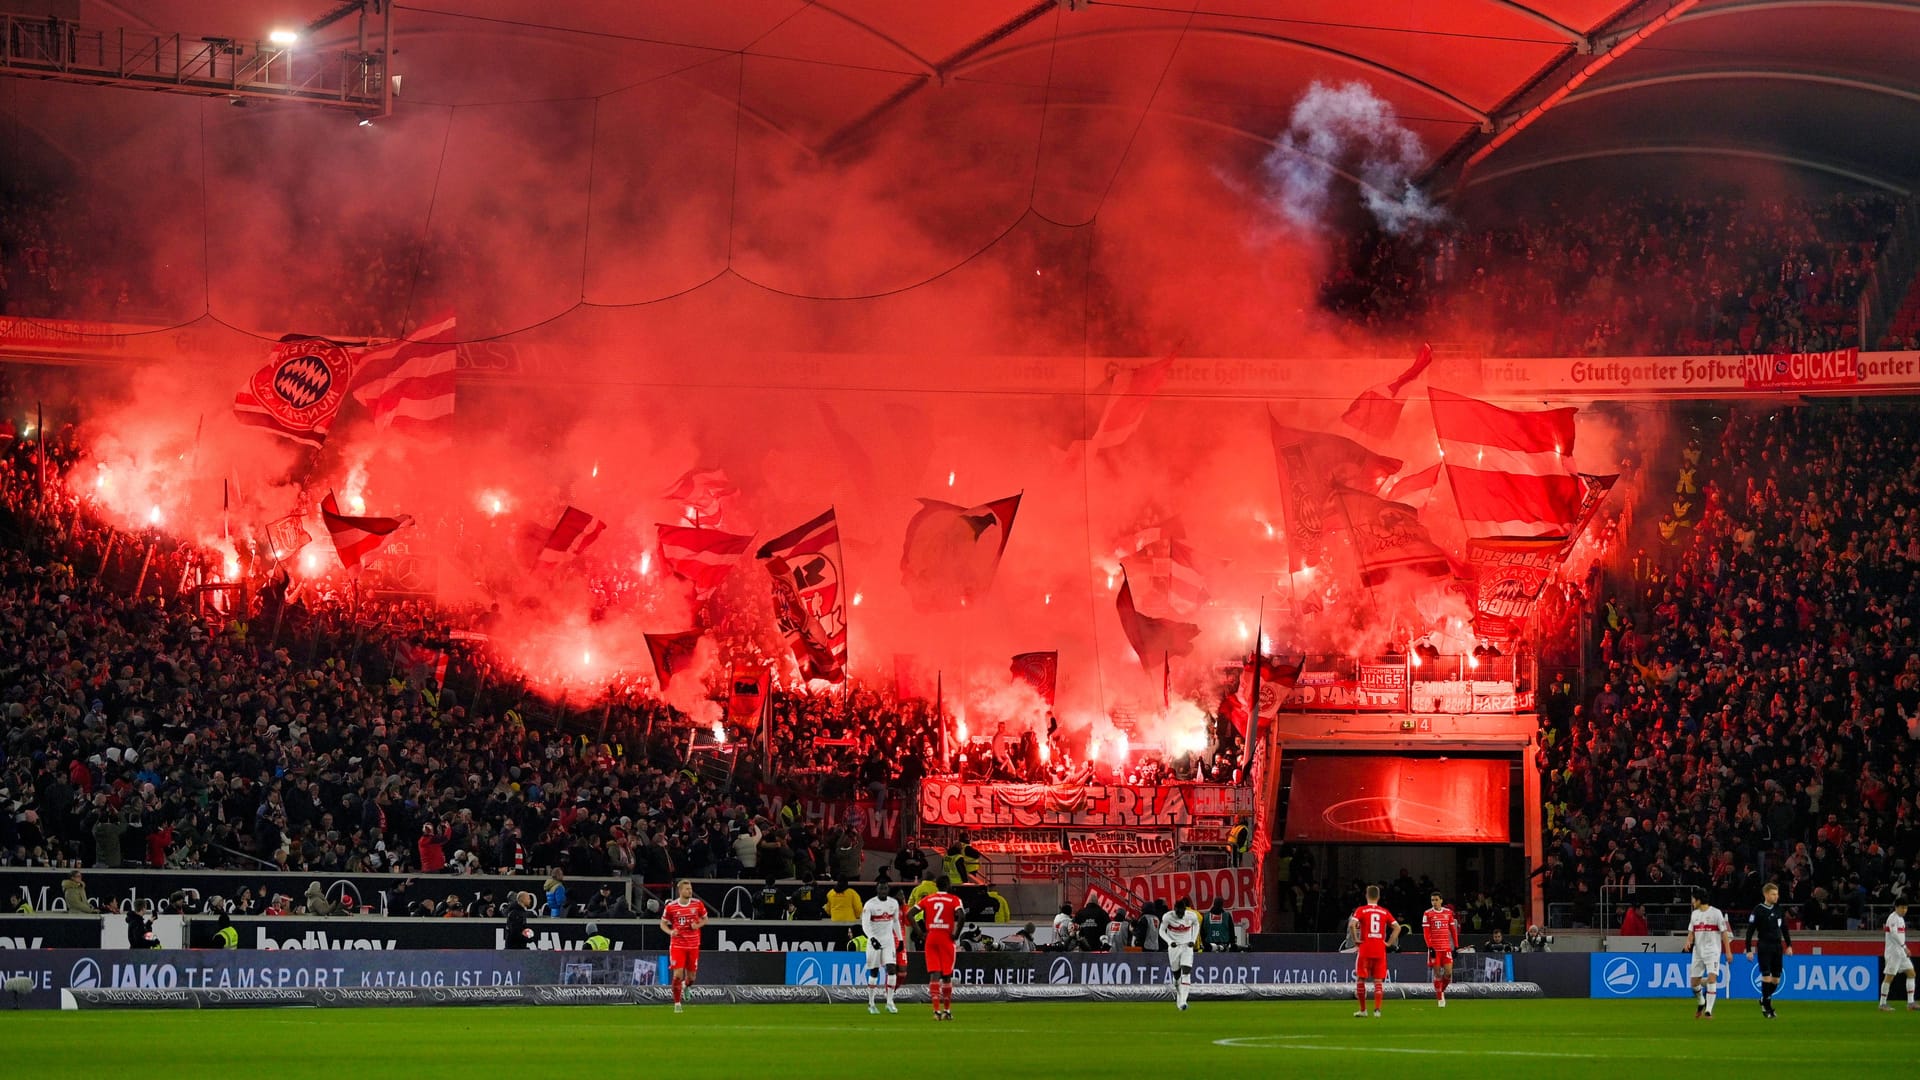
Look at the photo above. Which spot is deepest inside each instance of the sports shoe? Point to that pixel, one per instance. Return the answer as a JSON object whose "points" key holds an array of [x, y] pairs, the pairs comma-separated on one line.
{"points": [[1376, 1014], [1442, 1002], [1884, 1007], [1913, 1006], [872, 1009], [1362, 1014], [1183, 1006], [892, 1008], [1708, 1015], [1767, 1011], [677, 1007], [1699, 1011]]}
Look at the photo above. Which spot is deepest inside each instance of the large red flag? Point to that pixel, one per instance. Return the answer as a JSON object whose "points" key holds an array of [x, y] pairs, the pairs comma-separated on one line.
{"points": [[1170, 575], [702, 489], [1153, 640], [1387, 538], [703, 556], [672, 654], [1312, 465], [1512, 472], [809, 595], [298, 392], [952, 552], [355, 538], [1040, 670], [573, 533]]}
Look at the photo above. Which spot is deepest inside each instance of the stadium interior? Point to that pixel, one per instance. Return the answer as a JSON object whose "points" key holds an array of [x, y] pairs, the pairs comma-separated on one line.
{"points": [[468, 468]]}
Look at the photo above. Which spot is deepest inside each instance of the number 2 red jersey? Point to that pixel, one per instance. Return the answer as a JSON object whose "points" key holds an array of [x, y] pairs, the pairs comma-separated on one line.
{"points": [[1440, 929], [684, 917], [941, 912], [1376, 923]]}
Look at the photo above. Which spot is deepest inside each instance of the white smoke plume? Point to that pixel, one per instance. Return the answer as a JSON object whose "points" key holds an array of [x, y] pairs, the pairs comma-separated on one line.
{"points": [[1347, 128]]}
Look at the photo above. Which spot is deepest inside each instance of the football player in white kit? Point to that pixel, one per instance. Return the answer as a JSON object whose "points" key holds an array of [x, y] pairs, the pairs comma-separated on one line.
{"points": [[1710, 940], [880, 921], [1181, 928], [1897, 960]]}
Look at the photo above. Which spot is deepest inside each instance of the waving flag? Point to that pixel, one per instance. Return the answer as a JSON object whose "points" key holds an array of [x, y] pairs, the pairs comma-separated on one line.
{"points": [[287, 536], [703, 556], [1129, 395], [952, 552], [1511, 472], [573, 533], [1415, 489], [672, 654], [1170, 573], [701, 490], [1040, 670], [809, 596], [1388, 538], [297, 393], [355, 538], [1265, 682], [407, 385], [1154, 641], [1312, 465], [1376, 411]]}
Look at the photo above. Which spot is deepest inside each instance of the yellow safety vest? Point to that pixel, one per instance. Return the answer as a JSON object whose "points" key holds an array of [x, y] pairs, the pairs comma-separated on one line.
{"points": [[599, 943], [228, 937]]}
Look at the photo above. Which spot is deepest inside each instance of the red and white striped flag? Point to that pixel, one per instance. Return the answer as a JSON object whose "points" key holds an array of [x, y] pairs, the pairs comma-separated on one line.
{"points": [[1511, 472], [574, 532], [1132, 393], [408, 385], [703, 556], [355, 538]]}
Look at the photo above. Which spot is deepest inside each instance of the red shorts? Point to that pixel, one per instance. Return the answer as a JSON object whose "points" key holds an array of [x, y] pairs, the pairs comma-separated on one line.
{"points": [[939, 955], [684, 958], [1371, 965], [1442, 958]]}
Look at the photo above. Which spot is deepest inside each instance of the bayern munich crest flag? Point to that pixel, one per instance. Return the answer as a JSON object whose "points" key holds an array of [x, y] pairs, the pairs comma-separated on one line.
{"points": [[810, 596], [298, 392]]}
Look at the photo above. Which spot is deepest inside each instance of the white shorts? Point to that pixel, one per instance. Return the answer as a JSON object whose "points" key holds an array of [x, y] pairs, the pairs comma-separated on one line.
{"points": [[1179, 956], [1897, 963], [882, 953], [1704, 966]]}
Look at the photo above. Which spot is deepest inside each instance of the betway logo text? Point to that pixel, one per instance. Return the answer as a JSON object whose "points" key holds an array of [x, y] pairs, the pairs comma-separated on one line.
{"points": [[320, 939], [770, 942]]}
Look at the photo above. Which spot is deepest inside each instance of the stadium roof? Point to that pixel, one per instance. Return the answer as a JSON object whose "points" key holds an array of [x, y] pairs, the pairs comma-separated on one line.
{"points": [[1811, 84]]}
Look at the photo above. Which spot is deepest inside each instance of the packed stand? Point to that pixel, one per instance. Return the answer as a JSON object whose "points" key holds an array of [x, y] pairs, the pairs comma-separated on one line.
{"points": [[1760, 686], [1637, 275]]}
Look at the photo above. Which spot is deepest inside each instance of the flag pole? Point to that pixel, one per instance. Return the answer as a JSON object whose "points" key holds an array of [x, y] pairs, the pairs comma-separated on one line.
{"points": [[1253, 703]]}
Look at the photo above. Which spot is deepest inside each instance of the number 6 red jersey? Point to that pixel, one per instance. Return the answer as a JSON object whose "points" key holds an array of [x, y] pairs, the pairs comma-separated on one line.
{"points": [[1375, 923]]}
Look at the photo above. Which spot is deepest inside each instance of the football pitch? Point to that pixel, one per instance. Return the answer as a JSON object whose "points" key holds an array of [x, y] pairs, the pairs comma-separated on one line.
{"points": [[1561, 1039]]}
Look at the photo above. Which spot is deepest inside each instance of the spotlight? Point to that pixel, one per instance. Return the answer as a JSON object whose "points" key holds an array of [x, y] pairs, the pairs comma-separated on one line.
{"points": [[284, 38], [236, 101], [366, 121]]}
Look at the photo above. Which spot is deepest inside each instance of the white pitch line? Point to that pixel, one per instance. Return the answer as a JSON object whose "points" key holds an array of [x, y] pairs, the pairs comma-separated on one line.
{"points": [[1310, 1042]]}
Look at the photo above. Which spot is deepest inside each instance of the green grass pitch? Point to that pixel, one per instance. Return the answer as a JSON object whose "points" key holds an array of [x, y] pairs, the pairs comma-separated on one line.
{"points": [[1557, 1039]]}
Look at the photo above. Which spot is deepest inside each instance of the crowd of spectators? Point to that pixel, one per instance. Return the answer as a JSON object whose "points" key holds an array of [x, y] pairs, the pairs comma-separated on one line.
{"points": [[1759, 688], [1634, 275]]}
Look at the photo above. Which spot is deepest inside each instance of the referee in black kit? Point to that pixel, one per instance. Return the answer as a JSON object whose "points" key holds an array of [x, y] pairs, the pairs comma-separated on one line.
{"points": [[1769, 923]]}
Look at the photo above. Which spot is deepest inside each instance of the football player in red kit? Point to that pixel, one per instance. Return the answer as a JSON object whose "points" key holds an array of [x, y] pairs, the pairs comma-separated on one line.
{"points": [[682, 917], [1442, 933], [939, 914], [1375, 930]]}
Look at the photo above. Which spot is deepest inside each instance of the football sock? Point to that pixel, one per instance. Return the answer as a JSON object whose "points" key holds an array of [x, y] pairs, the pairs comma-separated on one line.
{"points": [[676, 991], [1885, 985], [933, 993], [1710, 995], [1909, 989], [1439, 987], [1379, 992], [1766, 993], [1180, 991], [873, 985], [1362, 994]]}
